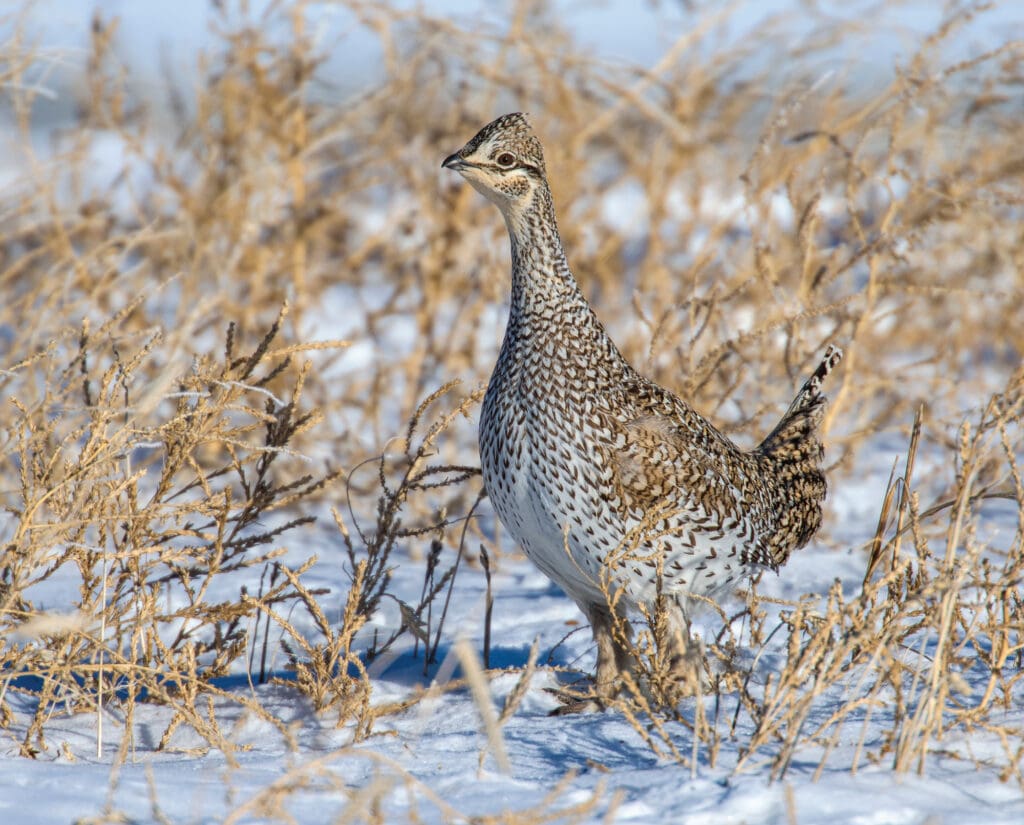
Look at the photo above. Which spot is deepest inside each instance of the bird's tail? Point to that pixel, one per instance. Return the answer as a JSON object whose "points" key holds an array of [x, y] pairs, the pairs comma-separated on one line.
{"points": [[792, 455], [794, 436]]}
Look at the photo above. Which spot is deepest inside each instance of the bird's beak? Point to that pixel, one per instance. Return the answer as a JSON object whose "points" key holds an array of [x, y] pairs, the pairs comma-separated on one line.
{"points": [[454, 162]]}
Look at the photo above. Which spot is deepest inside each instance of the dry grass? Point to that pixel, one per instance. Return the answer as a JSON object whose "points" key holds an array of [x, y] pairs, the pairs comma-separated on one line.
{"points": [[164, 379]]}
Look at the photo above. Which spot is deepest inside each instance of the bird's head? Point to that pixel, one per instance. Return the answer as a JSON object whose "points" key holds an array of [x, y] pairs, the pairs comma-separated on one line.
{"points": [[505, 163]]}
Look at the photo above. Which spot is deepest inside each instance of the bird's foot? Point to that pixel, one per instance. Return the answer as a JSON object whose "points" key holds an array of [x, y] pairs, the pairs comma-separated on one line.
{"points": [[579, 705], [585, 698]]}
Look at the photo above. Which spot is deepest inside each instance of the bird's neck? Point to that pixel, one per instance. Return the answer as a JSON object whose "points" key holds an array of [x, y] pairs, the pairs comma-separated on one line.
{"points": [[541, 280], [549, 317]]}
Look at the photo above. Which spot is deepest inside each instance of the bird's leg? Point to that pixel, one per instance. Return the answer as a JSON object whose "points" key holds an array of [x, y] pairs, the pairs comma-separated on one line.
{"points": [[685, 657], [605, 681], [612, 635], [624, 659], [613, 656]]}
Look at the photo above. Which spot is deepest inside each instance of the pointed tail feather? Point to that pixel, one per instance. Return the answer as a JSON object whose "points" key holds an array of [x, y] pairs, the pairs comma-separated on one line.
{"points": [[792, 455], [793, 435]]}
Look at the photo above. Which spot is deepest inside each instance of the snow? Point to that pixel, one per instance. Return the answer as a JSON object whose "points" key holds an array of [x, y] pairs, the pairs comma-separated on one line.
{"points": [[431, 763], [432, 767]]}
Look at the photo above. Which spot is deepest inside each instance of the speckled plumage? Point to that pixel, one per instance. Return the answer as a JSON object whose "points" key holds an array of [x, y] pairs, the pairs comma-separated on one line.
{"points": [[601, 475]]}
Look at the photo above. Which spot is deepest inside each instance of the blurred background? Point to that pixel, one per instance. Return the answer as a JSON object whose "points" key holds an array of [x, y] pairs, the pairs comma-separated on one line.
{"points": [[738, 185], [162, 43]]}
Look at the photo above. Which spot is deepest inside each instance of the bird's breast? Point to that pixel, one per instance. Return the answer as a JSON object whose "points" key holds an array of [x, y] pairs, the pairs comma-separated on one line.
{"points": [[541, 455]]}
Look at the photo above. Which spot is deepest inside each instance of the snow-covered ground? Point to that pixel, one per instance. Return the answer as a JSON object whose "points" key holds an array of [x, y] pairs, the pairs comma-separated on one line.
{"points": [[428, 764]]}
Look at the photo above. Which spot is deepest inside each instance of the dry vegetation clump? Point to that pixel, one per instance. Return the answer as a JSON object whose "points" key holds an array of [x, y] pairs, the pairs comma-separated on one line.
{"points": [[143, 499], [167, 430]]}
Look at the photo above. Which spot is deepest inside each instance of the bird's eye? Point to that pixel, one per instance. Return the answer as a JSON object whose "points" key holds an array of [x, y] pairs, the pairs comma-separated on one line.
{"points": [[505, 159]]}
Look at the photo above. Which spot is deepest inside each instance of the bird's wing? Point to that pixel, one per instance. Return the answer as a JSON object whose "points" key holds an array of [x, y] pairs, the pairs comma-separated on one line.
{"points": [[670, 463], [658, 460]]}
